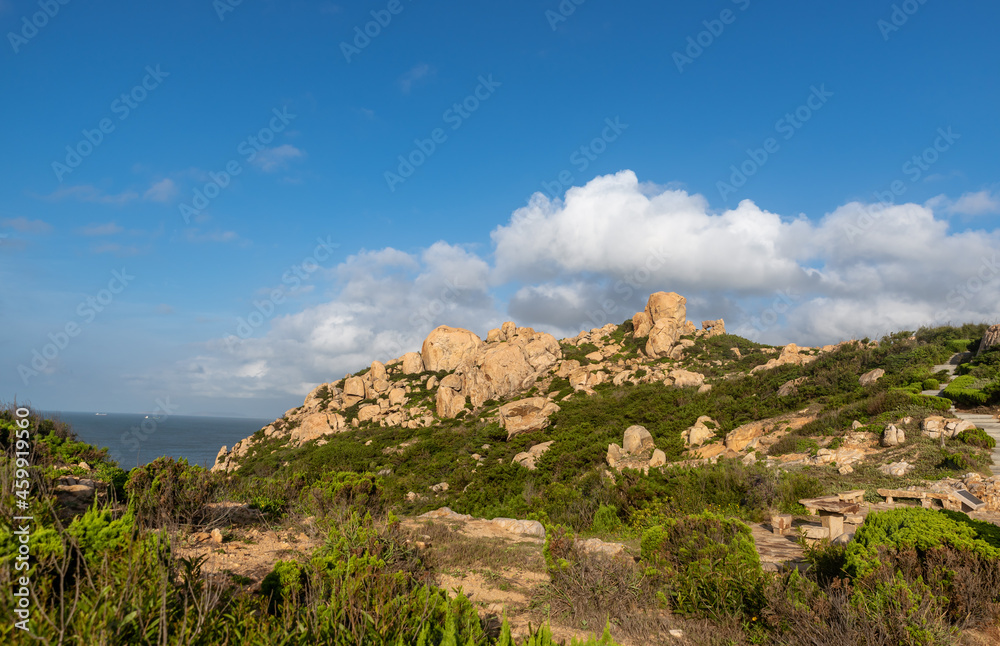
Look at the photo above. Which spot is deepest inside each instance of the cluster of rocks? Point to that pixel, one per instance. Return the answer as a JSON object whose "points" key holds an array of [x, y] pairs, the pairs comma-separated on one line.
{"points": [[638, 451], [790, 354], [76, 495], [986, 489], [507, 364], [937, 426]]}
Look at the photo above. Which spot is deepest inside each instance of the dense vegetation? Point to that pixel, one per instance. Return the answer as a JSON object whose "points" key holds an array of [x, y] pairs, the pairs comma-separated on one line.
{"points": [[910, 576]]}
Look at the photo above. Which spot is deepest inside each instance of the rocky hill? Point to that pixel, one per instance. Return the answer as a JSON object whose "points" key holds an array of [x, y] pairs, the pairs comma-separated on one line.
{"points": [[518, 379], [457, 373]]}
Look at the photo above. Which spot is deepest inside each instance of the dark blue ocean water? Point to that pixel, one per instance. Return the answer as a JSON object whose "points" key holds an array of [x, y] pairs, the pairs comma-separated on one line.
{"points": [[137, 439]]}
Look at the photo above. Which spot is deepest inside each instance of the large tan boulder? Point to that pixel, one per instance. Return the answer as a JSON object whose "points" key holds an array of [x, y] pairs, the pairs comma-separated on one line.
{"points": [[637, 439], [377, 372], [790, 354], [369, 412], [700, 432], [667, 313], [315, 426], [412, 363], [446, 347], [526, 415], [687, 379], [498, 372], [354, 390], [314, 399], [641, 324], [662, 338], [871, 377], [449, 402], [614, 455], [667, 305], [713, 328], [747, 435]]}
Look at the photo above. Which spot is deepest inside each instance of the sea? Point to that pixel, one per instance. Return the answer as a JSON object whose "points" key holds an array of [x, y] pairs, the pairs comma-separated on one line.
{"points": [[135, 440]]}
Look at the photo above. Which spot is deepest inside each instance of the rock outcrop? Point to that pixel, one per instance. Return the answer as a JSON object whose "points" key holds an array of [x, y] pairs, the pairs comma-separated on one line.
{"points": [[936, 426], [446, 347], [667, 312], [990, 339], [638, 451], [526, 415], [871, 377], [893, 436], [713, 328], [790, 354], [701, 431]]}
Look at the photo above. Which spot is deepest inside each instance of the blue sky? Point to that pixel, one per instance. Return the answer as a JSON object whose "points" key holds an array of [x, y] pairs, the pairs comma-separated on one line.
{"points": [[807, 171]]}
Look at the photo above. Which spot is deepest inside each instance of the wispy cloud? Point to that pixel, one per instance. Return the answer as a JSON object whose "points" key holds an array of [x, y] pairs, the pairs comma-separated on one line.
{"points": [[277, 158], [106, 229], [89, 193], [418, 72], [115, 249], [198, 236], [24, 225], [978, 203], [161, 191]]}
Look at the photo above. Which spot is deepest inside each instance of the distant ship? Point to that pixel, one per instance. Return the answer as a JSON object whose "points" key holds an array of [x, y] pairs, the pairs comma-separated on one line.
{"points": [[100, 413]]}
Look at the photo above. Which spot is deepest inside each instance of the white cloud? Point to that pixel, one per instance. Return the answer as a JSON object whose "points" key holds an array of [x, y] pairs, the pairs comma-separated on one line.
{"points": [[24, 225], [90, 193], [277, 158], [594, 257], [116, 249], [385, 304], [198, 236], [979, 203], [161, 191], [106, 229], [416, 73]]}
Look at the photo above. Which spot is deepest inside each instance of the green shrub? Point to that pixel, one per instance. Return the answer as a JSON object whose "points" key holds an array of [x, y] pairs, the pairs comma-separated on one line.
{"points": [[910, 528], [167, 491], [606, 520], [958, 345], [346, 489], [931, 384], [794, 444], [960, 391], [977, 437], [98, 533], [707, 565]]}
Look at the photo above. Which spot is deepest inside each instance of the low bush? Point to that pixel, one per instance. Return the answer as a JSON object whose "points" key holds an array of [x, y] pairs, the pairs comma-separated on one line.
{"points": [[590, 589], [977, 437], [707, 565], [167, 491], [961, 391], [794, 444]]}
